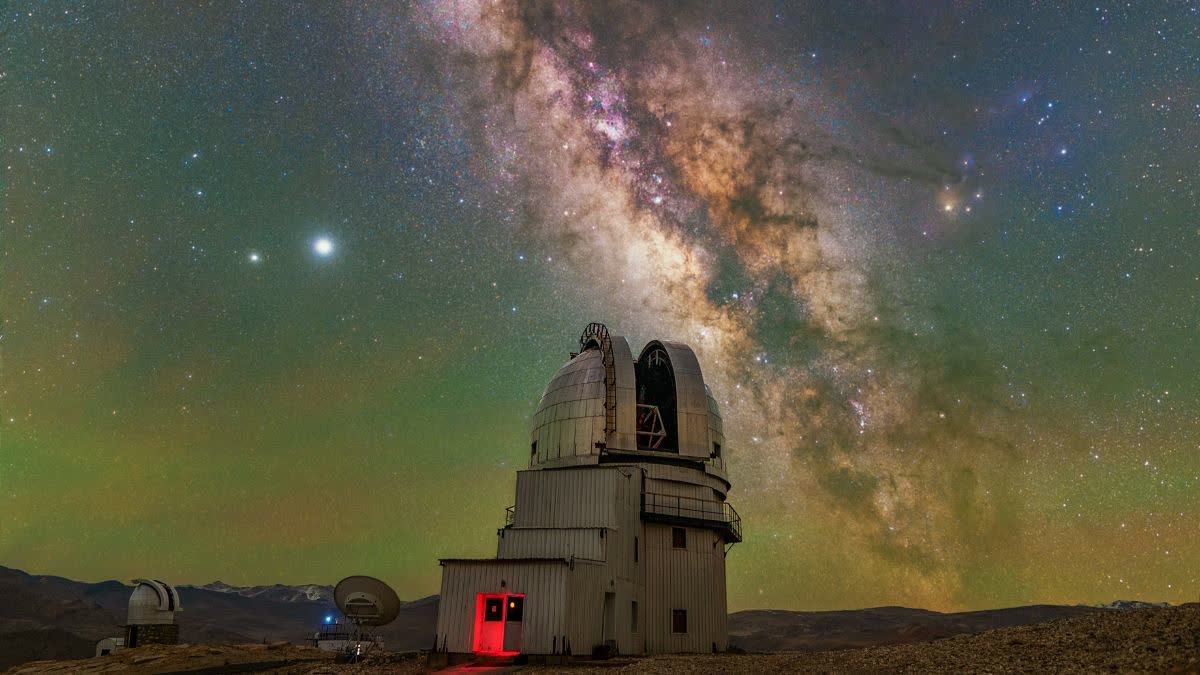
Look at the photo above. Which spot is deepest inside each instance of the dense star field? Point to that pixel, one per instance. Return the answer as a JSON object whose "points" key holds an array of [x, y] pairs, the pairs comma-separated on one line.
{"points": [[282, 285]]}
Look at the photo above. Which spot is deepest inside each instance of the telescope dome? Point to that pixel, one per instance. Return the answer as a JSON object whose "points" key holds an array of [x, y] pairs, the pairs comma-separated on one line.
{"points": [[602, 401], [152, 602]]}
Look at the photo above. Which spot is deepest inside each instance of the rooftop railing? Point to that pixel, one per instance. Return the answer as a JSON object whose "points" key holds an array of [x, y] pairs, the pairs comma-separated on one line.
{"points": [[693, 511]]}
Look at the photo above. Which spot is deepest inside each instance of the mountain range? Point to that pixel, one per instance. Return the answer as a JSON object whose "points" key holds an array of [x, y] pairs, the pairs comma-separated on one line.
{"points": [[276, 592], [48, 617]]}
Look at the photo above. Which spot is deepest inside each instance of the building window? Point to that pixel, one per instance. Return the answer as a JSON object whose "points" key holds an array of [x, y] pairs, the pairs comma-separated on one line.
{"points": [[678, 537], [533, 449], [679, 621], [716, 450], [516, 608], [493, 609], [635, 550], [633, 617]]}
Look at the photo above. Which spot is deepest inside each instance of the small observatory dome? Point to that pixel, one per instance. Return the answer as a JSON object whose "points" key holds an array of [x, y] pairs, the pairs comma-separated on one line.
{"points": [[152, 603], [604, 402]]}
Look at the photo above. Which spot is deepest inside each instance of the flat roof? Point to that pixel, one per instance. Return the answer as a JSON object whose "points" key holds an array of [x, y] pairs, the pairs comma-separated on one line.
{"points": [[505, 561]]}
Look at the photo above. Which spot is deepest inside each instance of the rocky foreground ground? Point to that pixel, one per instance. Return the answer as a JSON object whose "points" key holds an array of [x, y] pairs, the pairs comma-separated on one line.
{"points": [[1154, 640]]}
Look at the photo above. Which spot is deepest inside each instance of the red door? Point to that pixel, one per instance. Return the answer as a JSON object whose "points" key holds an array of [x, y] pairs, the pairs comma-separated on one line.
{"points": [[492, 616]]}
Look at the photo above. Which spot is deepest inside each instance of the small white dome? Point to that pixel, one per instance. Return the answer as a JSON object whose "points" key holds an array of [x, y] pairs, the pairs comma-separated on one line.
{"points": [[152, 602]]}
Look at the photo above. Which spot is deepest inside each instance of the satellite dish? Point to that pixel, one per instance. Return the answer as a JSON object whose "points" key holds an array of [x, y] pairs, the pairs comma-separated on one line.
{"points": [[366, 601]]}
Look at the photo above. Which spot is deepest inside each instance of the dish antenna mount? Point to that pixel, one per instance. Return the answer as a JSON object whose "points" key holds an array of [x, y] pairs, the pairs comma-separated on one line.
{"points": [[367, 603]]}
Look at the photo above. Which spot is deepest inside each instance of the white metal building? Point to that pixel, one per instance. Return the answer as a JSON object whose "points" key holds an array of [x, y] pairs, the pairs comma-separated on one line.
{"points": [[618, 536]]}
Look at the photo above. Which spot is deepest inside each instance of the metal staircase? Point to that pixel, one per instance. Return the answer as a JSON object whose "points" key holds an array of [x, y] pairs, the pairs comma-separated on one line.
{"points": [[597, 334]]}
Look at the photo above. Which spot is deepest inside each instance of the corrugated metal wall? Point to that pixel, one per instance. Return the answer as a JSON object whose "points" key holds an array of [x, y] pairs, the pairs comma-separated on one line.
{"points": [[586, 498], [560, 513], [679, 489], [626, 566], [585, 607], [692, 579], [582, 497], [544, 584], [588, 543], [585, 610], [686, 475]]}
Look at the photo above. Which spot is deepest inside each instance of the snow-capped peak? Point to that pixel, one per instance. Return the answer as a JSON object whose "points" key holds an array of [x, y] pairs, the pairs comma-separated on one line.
{"points": [[276, 592]]}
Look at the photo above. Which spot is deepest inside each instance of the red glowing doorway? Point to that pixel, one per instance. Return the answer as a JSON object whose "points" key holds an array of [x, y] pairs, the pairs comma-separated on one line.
{"points": [[498, 623]]}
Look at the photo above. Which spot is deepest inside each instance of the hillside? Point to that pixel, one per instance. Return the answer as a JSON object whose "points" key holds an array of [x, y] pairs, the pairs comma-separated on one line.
{"points": [[781, 630], [1153, 639]]}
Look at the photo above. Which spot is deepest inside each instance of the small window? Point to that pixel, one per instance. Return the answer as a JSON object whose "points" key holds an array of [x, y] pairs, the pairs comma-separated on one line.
{"points": [[533, 449], [635, 551], [516, 608], [633, 617], [679, 621], [678, 537], [493, 609], [716, 450]]}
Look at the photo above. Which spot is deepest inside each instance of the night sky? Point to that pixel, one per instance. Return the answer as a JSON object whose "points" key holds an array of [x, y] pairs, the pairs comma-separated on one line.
{"points": [[281, 286]]}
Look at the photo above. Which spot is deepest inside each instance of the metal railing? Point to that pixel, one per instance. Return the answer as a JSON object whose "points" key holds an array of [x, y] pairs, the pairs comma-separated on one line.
{"points": [[510, 516], [704, 512]]}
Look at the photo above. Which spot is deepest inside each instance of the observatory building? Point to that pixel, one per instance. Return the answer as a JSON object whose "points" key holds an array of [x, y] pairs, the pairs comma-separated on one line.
{"points": [[152, 608], [618, 537]]}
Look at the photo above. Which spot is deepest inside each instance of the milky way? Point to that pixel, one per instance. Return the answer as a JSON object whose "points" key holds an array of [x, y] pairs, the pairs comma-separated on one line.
{"points": [[275, 269], [671, 176]]}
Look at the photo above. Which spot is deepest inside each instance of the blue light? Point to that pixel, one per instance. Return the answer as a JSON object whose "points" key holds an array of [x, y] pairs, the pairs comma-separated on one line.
{"points": [[329, 619]]}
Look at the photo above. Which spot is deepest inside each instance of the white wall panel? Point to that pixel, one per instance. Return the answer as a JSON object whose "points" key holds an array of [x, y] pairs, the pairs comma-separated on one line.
{"points": [[544, 584], [691, 579], [567, 497], [588, 543]]}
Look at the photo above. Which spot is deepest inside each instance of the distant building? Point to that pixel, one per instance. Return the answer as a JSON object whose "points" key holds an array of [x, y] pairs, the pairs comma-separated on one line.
{"points": [[617, 540], [152, 608], [109, 645]]}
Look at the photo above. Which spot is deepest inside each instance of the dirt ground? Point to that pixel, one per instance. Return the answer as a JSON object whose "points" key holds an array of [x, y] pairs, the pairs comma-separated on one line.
{"points": [[1153, 640]]}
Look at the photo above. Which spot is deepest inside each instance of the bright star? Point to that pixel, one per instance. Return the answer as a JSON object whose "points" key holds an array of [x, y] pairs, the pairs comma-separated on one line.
{"points": [[255, 257], [323, 246]]}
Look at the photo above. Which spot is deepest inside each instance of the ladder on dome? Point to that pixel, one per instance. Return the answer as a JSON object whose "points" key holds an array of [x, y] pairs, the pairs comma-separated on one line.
{"points": [[598, 333]]}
